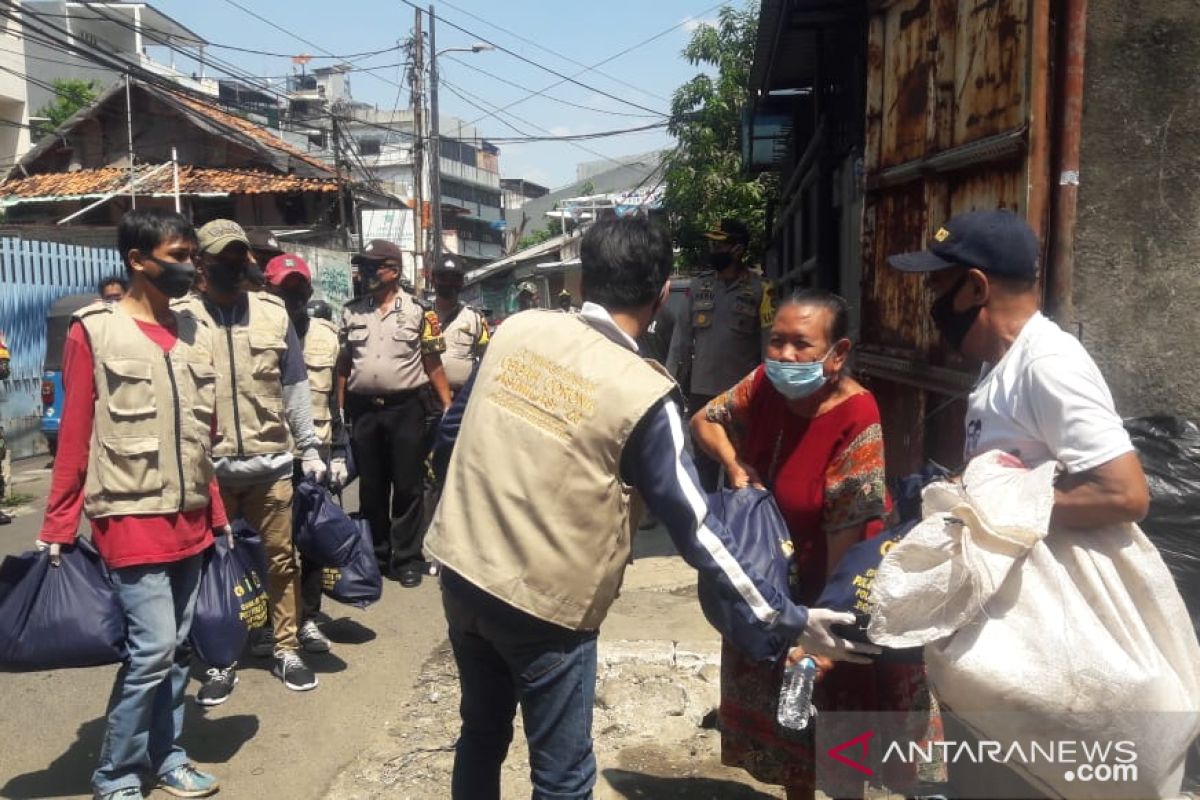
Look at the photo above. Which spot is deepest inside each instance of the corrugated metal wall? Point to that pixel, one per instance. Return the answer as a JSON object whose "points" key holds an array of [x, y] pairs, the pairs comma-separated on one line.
{"points": [[33, 274], [956, 120]]}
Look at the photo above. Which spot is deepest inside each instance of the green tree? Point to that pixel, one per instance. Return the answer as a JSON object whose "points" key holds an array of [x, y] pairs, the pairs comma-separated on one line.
{"points": [[705, 180], [69, 97]]}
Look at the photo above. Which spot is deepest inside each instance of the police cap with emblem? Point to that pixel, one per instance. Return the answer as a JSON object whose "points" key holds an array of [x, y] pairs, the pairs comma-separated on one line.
{"points": [[378, 251], [729, 230]]}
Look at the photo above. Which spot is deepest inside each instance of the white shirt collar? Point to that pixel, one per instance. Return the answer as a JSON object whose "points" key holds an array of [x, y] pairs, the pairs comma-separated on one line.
{"points": [[602, 321]]}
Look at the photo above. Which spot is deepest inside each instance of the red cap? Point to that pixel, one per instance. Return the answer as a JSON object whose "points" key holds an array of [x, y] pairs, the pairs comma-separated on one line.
{"points": [[280, 267]]}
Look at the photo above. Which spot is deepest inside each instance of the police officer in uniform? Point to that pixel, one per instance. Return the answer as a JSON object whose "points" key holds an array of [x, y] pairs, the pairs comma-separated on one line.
{"points": [[463, 327], [394, 388], [527, 296], [564, 301], [288, 277], [729, 314]]}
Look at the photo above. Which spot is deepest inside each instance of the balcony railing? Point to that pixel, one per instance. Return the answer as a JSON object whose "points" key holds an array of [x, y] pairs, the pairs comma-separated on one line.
{"points": [[463, 172]]}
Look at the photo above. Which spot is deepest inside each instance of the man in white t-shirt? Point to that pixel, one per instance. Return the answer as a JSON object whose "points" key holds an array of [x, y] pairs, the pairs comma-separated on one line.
{"points": [[1041, 396]]}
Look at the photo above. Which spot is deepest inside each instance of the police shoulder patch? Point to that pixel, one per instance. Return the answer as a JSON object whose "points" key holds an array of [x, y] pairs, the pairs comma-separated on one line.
{"points": [[435, 325]]}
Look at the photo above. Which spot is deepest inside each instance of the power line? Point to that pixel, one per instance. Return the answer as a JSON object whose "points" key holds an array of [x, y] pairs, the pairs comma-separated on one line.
{"points": [[460, 92], [296, 36], [531, 62], [613, 57], [566, 58], [493, 76], [251, 51]]}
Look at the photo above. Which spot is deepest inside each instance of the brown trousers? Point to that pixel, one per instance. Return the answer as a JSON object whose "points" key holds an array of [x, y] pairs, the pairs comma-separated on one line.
{"points": [[267, 508]]}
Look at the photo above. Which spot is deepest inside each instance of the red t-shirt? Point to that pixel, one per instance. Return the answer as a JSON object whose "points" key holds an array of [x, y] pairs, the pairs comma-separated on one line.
{"points": [[123, 541]]}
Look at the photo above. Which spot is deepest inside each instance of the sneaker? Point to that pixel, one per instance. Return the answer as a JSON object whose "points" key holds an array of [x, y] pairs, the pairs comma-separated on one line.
{"points": [[262, 642], [187, 781], [128, 793], [294, 673], [218, 685], [311, 638]]}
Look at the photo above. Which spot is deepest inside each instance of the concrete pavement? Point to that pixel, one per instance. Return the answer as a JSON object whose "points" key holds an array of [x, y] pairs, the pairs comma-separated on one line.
{"points": [[383, 721], [265, 741]]}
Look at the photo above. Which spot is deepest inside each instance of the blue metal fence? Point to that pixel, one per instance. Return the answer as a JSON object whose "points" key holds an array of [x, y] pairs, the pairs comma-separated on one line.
{"points": [[33, 274]]}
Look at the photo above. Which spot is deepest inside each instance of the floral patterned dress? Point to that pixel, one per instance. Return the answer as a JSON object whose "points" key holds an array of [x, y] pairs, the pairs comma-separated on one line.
{"points": [[827, 475]]}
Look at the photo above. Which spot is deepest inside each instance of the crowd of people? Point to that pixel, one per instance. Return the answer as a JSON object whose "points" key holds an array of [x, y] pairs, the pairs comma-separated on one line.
{"points": [[211, 387]]}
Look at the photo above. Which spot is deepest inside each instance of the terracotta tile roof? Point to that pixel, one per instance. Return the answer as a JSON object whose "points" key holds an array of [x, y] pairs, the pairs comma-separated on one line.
{"points": [[192, 180], [245, 126]]}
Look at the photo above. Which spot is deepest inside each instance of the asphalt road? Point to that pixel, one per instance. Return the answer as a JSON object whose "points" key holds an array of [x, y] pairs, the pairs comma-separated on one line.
{"points": [[265, 741]]}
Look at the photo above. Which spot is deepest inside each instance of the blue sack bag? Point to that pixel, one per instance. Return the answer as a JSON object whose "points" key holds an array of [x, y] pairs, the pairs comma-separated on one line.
{"points": [[231, 600], [761, 541], [358, 582], [848, 588], [59, 617], [320, 528]]}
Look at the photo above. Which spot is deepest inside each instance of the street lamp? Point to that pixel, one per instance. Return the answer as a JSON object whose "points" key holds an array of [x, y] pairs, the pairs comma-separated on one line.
{"points": [[435, 143]]}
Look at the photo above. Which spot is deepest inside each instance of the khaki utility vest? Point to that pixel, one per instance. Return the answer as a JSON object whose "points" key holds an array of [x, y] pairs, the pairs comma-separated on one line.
{"points": [[534, 510], [249, 360], [151, 447], [320, 357]]}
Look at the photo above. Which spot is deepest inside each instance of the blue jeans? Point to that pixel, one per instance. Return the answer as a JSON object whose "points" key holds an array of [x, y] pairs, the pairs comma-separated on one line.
{"points": [[145, 711], [506, 657]]}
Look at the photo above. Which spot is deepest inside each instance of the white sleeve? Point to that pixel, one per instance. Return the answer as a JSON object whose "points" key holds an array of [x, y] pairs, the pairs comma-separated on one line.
{"points": [[1073, 411]]}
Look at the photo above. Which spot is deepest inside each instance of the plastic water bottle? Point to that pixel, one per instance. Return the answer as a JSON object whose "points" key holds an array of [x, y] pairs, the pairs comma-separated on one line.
{"points": [[795, 697]]}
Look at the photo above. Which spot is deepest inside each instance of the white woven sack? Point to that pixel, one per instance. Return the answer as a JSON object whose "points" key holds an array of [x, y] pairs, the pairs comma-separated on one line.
{"points": [[1051, 623]]}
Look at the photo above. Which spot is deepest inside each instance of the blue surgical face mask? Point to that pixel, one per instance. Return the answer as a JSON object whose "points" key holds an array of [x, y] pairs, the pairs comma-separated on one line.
{"points": [[797, 380]]}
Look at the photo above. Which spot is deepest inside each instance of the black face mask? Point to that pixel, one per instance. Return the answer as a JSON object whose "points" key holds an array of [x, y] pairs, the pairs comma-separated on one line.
{"points": [[371, 279], [446, 292], [295, 302], [300, 321], [225, 276], [719, 259], [176, 277], [953, 325]]}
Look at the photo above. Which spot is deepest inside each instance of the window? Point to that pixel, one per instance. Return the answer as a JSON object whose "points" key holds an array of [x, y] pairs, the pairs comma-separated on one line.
{"points": [[368, 147]]}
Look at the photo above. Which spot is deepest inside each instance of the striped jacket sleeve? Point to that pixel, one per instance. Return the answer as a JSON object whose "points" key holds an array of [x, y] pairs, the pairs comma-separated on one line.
{"points": [[657, 465]]}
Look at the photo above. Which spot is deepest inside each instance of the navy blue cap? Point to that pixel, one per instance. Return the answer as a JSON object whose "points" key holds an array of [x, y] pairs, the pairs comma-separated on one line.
{"points": [[995, 242]]}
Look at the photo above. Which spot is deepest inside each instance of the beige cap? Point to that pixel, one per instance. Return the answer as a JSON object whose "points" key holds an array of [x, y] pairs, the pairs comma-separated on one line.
{"points": [[218, 234]]}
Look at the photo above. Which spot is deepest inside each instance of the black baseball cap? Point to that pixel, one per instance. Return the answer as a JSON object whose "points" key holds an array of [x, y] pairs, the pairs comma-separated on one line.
{"points": [[995, 242], [449, 265], [729, 230]]}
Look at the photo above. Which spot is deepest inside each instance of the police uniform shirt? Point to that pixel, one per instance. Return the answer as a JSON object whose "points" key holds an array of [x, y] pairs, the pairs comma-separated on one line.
{"points": [[726, 324], [386, 349], [466, 334]]}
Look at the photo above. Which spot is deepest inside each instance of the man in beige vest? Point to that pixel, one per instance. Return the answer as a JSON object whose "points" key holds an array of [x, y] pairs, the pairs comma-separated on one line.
{"points": [[135, 456], [559, 437], [264, 415], [288, 277]]}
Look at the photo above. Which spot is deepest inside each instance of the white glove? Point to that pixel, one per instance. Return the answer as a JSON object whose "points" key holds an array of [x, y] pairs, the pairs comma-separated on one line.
{"points": [[313, 466], [54, 548], [819, 640], [338, 474]]}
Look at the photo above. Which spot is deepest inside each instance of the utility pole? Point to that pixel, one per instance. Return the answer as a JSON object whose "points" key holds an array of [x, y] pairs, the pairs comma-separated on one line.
{"points": [[418, 99], [129, 129], [341, 184], [435, 146]]}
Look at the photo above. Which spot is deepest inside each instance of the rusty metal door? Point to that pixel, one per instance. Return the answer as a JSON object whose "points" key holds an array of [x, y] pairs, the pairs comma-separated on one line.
{"points": [[956, 120]]}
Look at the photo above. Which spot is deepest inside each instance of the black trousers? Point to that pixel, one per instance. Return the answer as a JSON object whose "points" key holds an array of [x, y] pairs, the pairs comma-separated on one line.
{"points": [[390, 446], [708, 469]]}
